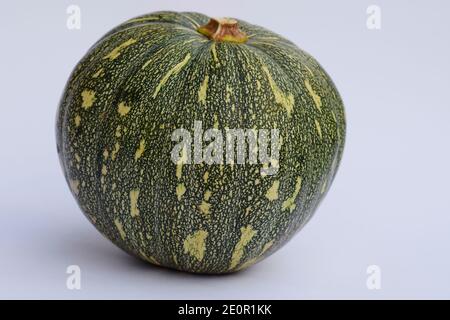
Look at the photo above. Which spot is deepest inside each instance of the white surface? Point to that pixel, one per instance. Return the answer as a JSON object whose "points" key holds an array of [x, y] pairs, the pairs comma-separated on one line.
{"points": [[388, 206]]}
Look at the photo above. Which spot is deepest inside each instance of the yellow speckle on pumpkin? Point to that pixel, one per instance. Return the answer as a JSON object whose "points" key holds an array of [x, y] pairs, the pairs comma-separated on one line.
{"points": [[123, 109], [206, 177], [324, 186], [119, 227], [180, 162], [334, 116], [309, 70], [286, 100], [318, 128], [316, 98], [258, 85], [74, 186], [174, 71], [118, 50], [204, 208], [134, 195], [216, 122], [77, 120], [195, 244], [266, 247], [140, 150], [202, 90], [115, 151], [289, 203], [118, 132], [180, 190], [214, 53], [248, 263], [272, 193], [175, 259], [97, 74], [228, 91], [150, 259], [247, 233], [88, 98], [207, 195]]}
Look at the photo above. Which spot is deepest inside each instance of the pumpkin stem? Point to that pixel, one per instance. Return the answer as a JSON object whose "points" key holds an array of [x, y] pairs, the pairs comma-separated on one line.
{"points": [[224, 29]]}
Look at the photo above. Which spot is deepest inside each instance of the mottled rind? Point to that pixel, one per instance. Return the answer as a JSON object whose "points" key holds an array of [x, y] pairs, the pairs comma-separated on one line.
{"points": [[247, 233], [194, 244], [156, 73]]}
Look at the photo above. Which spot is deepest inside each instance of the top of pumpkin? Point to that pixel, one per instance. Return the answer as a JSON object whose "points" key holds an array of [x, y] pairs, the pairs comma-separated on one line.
{"points": [[223, 29]]}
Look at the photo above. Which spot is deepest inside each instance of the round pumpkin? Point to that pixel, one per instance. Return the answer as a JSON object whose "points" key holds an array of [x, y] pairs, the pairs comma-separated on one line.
{"points": [[167, 79]]}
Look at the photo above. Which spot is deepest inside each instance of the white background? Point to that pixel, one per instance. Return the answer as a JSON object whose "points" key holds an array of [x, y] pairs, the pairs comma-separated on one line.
{"points": [[389, 205]]}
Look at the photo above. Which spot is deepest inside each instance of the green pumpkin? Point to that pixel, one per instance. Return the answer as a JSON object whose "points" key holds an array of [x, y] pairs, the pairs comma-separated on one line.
{"points": [[160, 72]]}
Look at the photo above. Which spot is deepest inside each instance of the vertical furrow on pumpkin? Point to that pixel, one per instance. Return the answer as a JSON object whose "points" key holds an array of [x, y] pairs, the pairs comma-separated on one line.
{"points": [[141, 151], [227, 89], [91, 101], [158, 89], [322, 105], [274, 110]]}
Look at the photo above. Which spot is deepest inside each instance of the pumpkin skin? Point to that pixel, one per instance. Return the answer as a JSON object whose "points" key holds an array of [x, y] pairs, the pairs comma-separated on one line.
{"points": [[156, 73]]}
